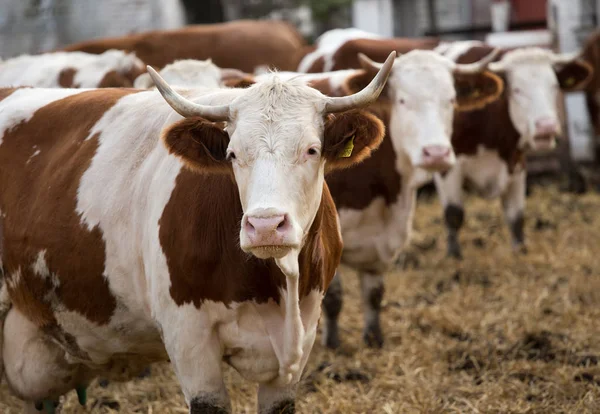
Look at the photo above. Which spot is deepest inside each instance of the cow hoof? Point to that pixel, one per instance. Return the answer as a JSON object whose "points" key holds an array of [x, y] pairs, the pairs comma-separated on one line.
{"points": [[520, 249], [455, 252], [81, 395], [332, 342], [373, 337]]}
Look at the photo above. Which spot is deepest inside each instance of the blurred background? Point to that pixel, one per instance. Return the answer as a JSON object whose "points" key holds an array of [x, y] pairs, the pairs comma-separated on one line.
{"points": [[34, 26]]}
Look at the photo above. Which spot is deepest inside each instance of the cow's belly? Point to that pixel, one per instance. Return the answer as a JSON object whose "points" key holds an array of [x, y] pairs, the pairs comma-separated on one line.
{"points": [[486, 172], [374, 237], [252, 336]]}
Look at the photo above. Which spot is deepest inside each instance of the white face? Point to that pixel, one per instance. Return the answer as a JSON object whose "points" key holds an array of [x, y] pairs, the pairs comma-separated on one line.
{"points": [[533, 96], [275, 150], [421, 87]]}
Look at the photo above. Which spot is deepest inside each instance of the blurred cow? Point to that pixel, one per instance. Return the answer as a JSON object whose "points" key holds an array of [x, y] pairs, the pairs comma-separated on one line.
{"points": [[491, 142], [241, 44], [113, 68], [591, 53], [196, 73]]}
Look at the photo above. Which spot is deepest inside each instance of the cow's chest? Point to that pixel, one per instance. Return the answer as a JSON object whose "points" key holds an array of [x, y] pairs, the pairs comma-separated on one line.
{"points": [[374, 236], [486, 173]]}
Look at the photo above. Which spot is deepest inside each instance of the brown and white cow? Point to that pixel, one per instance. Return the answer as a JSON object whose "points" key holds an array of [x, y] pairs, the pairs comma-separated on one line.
{"points": [[491, 143], [338, 49], [591, 53], [376, 199], [113, 68], [133, 233], [240, 44]]}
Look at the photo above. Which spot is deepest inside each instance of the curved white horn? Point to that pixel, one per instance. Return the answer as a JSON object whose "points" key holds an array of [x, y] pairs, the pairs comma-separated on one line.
{"points": [[185, 107], [365, 97], [476, 67], [562, 58]]}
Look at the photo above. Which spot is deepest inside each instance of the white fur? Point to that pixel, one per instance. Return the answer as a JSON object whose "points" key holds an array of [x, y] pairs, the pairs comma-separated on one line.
{"points": [[454, 50], [328, 43], [43, 70], [188, 73]]}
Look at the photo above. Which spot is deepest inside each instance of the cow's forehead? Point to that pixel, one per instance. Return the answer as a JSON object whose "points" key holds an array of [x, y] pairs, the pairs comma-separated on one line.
{"points": [[520, 58], [422, 79], [275, 101]]}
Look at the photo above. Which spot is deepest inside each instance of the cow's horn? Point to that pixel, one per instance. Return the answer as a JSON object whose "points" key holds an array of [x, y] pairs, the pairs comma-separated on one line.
{"points": [[185, 107], [479, 66], [365, 97]]}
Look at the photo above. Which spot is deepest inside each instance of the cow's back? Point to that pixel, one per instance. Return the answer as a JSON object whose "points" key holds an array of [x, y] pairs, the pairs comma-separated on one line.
{"points": [[242, 44]]}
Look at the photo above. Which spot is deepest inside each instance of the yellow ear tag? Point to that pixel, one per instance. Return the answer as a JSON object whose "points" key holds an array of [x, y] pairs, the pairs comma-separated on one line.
{"points": [[347, 151], [476, 93], [570, 81]]}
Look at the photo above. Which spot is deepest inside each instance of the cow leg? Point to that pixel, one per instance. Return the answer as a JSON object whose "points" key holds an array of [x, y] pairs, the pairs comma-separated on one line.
{"points": [[35, 367], [513, 204], [276, 400], [451, 196], [195, 353], [372, 294], [332, 305]]}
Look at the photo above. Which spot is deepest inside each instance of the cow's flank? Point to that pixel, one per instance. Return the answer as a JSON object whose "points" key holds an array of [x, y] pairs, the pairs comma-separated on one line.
{"points": [[52, 177]]}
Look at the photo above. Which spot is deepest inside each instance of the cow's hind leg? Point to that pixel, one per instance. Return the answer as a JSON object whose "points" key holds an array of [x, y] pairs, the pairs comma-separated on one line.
{"points": [[35, 367], [513, 204], [332, 305], [372, 289], [450, 192], [276, 400]]}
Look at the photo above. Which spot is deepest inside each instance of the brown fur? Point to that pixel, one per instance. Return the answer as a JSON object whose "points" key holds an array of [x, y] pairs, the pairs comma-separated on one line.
{"points": [[346, 56], [200, 144], [66, 76], [241, 44], [475, 91], [39, 200], [366, 129], [356, 187], [239, 83], [591, 53], [574, 76], [114, 79]]}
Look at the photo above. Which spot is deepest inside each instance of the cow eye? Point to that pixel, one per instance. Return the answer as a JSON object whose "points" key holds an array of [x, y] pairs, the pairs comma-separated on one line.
{"points": [[452, 101], [312, 151], [517, 90], [230, 156], [402, 101]]}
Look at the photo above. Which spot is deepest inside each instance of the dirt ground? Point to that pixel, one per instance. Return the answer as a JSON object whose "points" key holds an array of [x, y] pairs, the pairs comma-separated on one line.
{"points": [[495, 333]]}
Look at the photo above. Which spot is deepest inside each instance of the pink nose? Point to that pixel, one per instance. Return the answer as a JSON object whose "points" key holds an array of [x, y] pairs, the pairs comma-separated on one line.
{"points": [[267, 231], [436, 156], [546, 126]]}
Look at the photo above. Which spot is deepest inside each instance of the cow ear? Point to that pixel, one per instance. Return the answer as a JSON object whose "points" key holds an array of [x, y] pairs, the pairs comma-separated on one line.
{"points": [[238, 82], [200, 144], [474, 91], [574, 75], [114, 79], [350, 137]]}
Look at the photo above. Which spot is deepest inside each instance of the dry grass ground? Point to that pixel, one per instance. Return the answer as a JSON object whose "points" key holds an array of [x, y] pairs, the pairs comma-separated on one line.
{"points": [[495, 333]]}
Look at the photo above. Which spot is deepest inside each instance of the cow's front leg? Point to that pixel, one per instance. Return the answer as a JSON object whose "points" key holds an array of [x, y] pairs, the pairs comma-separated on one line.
{"points": [[450, 191], [195, 352], [276, 400], [372, 290], [513, 204], [332, 305]]}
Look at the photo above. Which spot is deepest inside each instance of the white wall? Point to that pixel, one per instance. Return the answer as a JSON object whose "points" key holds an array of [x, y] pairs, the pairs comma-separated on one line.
{"points": [[375, 16]]}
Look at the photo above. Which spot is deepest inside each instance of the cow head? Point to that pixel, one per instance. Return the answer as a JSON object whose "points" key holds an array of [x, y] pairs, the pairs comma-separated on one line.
{"points": [[534, 77], [424, 89], [279, 139]]}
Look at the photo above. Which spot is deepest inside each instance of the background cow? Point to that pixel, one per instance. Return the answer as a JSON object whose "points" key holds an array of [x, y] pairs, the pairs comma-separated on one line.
{"points": [[241, 44], [211, 243], [491, 142], [112, 68]]}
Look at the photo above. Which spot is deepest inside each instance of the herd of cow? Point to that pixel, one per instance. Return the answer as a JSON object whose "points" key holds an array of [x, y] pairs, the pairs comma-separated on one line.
{"points": [[197, 214]]}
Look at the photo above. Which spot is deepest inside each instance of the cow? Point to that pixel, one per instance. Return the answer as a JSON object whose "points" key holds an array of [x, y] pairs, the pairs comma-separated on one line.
{"points": [[112, 68], [240, 44], [339, 48], [591, 53], [200, 231], [194, 73], [491, 143]]}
